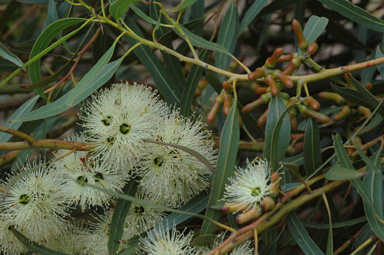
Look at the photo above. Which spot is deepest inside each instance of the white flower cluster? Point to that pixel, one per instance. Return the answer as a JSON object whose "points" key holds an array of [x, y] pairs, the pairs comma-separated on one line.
{"points": [[128, 126]]}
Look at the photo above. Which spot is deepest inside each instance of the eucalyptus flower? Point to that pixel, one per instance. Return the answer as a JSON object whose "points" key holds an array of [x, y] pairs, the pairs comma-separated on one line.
{"points": [[171, 175], [35, 202], [167, 242], [249, 185], [118, 119]]}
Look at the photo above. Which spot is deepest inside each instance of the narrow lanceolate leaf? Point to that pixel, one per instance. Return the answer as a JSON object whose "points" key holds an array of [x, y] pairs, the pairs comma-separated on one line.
{"points": [[196, 205], [194, 153], [351, 95], [71, 99], [229, 142], [227, 37], [278, 131], [118, 218], [45, 38], [94, 79], [379, 54], [356, 14], [251, 14], [36, 248], [346, 163], [312, 152], [23, 110], [373, 182], [185, 4], [192, 81], [160, 76], [369, 97], [301, 236], [314, 27], [8, 55], [119, 7], [342, 173]]}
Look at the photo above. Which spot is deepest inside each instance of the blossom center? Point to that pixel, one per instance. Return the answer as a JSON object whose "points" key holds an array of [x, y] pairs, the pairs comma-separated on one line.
{"points": [[82, 179], [139, 210], [106, 121], [256, 191], [99, 177], [124, 128], [158, 161], [24, 199]]}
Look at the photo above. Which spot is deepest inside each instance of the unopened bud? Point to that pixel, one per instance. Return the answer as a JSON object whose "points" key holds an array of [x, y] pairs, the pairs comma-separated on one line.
{"points": [[227, 87], [313, 114], [315, 105], [258, 73], [301, 41], [267, 204], [285, 79], [270, 80], [332, 96], [262, 119], [234, 207], [285, 58], [368, 86], [272, 60], [227, 98], [215, 108], [344, 113], [349, 81], [364, 110], [263, 99], [260, 90], [312, 48], [275, 179], [251, 214]]}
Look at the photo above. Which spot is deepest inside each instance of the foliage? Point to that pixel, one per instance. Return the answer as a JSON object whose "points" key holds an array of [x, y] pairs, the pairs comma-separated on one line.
{"points": [[297, 83]]}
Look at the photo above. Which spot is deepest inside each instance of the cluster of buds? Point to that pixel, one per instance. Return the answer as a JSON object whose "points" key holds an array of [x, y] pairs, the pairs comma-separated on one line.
{"points": [[251, 210]]}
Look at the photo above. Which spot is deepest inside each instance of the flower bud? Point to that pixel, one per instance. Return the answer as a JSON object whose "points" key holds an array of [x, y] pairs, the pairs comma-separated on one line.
{"points": [[270, 80], [234, 207], [262, 119], [301, 41], [227, 87], [272, 60], [215, 108], [368, 86], [316, 115], [315, 105], [263, 99], [364, 110], [260, 90], [344, 113], [267, 204], [275, 179], [227, 98], [332, 96], [251, 214], [349, 81], [258, 73], [312, 48], [285, 58], [285, 79]]}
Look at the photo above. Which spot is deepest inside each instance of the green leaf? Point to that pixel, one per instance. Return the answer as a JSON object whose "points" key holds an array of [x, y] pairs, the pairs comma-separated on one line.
{"points": [[34, 246], [278, 130], [119, 7], [356, 14], [185, 4], [343, 224], [196, 205], [194, 153], [342, 173], [351, 95], [192, 81], [8, 55], [251, 14], [314, 27], [201, 42], [160, 76], [225, 165], [379, 54], [118, 218], [23, 110], [373, 183], [312, 150], [95, 78], [204, 240], [301, 236], [227, 37], [71, 99], [42, 42], [369, 97]]}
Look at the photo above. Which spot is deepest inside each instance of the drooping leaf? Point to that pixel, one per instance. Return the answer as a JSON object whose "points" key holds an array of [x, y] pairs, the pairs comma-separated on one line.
{"points": [[8, 55], [312, 152], [356, 14], [225, 165], [379, 54], [301, 236], [227, 37], [23, 110], [118, 218], [119, 7], [251, 14], [38, 249], [342, 173]]}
